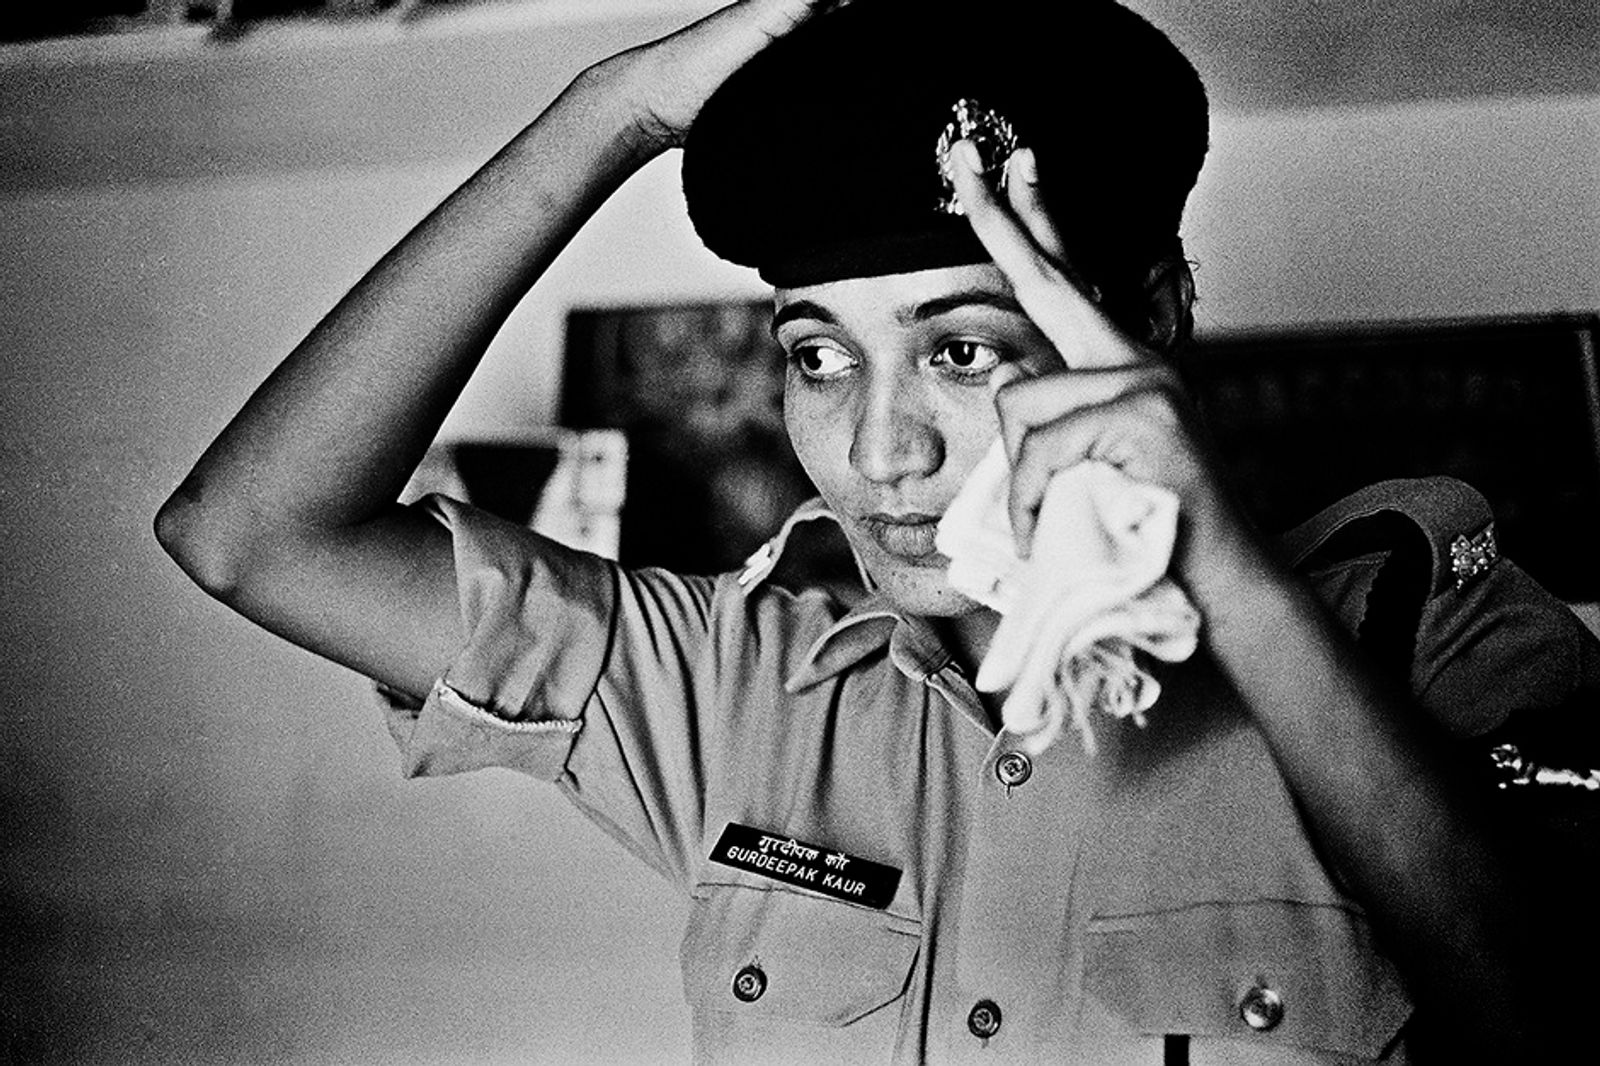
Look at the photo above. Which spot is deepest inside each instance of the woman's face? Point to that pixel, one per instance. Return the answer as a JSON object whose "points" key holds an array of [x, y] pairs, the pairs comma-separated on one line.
{"points": [[888, 404]]}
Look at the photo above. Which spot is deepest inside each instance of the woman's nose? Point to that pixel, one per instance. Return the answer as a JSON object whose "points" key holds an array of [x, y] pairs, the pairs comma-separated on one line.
{"points": [[894, 437]]}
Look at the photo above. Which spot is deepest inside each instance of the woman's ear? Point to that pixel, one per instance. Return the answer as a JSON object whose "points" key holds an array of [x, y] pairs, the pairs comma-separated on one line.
{"points": [[1169, 303]]}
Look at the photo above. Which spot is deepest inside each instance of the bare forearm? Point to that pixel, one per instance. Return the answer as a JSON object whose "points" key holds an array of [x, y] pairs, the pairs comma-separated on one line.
{"points": [[329, 440]]}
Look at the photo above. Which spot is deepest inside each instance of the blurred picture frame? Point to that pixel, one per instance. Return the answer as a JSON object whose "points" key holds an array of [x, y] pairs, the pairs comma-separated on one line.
{"points": [[565, 484], [1303, 416], [698, 390]]}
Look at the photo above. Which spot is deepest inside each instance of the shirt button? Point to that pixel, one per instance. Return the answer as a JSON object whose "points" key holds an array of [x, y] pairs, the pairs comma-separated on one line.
{"points": [[1261, 1008], [984, 1021], [749, 983], [1013, 768]]}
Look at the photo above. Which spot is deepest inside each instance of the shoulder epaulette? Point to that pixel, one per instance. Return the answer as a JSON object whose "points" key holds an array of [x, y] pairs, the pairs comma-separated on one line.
{"points": [[1428, 537], [1453, 519]]}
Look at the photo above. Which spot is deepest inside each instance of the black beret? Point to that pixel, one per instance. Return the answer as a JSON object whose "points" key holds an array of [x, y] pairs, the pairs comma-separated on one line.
{"points": [[817, 160]]}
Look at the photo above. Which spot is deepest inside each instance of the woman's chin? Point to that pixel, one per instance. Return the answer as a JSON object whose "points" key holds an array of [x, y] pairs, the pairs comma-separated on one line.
{"points": [[914, 582], [922, 590]]}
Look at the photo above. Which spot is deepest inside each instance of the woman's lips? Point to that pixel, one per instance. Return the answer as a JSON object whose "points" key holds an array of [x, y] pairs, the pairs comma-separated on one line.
{"points": [[907, 536]]}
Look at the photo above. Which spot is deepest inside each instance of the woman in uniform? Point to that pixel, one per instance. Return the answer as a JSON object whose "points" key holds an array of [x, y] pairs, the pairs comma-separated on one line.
{"points": [[969, 213]]}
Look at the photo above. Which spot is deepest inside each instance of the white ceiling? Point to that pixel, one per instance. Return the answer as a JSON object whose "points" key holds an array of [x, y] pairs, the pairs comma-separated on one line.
{"points": [[1273, 54], [1255, 54], [454, 84], [1276, 54]]}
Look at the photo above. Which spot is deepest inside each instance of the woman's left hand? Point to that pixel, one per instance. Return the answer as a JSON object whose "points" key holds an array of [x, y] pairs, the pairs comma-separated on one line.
{"points": [[1114, 400], [1394, 826]]}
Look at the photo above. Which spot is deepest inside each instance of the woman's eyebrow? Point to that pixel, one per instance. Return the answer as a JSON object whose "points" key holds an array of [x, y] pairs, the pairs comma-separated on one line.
{"points": [[802, 309], [942, 305], [933, 308]]}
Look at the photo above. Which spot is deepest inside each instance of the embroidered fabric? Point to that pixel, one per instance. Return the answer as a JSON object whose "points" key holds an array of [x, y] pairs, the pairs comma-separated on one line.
{"points": [[1094, 590]]}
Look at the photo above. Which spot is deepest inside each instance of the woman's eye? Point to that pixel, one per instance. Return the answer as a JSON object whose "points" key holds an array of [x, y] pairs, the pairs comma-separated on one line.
{"points": [[969, 357], [821, 360]]}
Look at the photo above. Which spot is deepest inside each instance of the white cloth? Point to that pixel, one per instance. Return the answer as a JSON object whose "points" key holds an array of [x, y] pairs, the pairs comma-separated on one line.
{"points": [[1094, 589]]}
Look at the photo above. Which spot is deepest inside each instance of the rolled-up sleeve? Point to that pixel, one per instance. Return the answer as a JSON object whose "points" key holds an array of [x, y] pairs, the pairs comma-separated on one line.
{"points": [[575, 671], [536, 619]]}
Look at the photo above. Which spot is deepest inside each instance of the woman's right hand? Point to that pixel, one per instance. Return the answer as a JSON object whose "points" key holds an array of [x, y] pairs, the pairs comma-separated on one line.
{"points": [[673, 77]]}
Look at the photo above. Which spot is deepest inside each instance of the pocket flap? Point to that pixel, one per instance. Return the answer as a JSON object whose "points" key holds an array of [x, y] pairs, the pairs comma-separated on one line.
{"points": [[818, 960], [1193, 969]]}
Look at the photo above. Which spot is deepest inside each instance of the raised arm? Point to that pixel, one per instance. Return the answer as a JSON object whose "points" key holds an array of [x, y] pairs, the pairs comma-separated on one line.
{"points": [[290, 517]]}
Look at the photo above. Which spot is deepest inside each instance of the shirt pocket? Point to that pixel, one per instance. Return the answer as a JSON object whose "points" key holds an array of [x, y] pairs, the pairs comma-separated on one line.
{"points": [[763, 956], [1273, 973]]}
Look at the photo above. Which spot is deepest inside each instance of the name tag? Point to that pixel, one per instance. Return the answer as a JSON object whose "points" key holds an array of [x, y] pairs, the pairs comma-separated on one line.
{"points": [[806, 865]]}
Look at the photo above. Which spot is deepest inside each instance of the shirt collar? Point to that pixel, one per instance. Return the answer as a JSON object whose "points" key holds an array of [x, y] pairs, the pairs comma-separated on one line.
{"points": [[868, 627], [764, 560], [865, 630]]}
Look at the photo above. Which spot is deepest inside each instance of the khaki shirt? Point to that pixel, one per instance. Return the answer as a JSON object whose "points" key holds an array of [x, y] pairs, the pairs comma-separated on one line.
{"points": [[1157, 901]]}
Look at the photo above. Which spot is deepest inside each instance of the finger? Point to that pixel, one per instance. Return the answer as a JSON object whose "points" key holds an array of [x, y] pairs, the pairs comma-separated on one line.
{"points": [[1028, 265], [1027, 204], [1022, 192], [1074, 325], [1045, 451], [1024, 404], [1003, 376], [781, 16], [1121, 431], [737, 31]]}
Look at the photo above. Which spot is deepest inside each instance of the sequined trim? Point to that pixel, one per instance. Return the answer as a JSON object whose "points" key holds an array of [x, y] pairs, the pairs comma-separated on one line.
{"points": [[1518, 772], [1471, 557]]}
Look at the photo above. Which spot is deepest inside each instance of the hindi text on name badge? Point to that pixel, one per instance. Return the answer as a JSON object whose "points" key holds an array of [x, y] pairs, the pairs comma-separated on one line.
{"points": [[805, 865]]}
